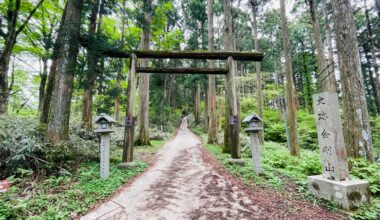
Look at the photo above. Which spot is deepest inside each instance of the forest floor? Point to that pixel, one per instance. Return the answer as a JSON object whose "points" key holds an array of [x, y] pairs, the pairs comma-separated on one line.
{"points": [[186, 182]]}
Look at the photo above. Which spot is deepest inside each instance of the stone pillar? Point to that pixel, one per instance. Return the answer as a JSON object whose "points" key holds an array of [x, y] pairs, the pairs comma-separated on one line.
{"points": [[255, 152], [334, 183], [104, 156], [330, 136]]}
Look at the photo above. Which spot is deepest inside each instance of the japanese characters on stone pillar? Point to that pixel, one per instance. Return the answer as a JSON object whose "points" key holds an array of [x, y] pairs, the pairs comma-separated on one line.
{"points": [[330, 136], [105, 128]]}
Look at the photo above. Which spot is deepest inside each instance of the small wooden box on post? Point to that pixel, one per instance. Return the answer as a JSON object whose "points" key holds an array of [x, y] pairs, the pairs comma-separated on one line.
{"points": [[334, 183], [105, 128], [129, 131]]}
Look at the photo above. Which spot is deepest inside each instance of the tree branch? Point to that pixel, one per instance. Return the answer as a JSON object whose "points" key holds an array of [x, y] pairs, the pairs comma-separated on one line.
{"points": [[29, 17]]}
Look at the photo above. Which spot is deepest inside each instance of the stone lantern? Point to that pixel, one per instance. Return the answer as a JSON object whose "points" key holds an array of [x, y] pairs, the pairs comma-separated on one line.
{"points": [[105, 123], [253, 129]]}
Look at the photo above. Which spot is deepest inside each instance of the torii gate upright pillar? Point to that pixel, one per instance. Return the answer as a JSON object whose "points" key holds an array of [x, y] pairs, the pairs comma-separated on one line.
{"points": [[232, 114], [129, 131]]}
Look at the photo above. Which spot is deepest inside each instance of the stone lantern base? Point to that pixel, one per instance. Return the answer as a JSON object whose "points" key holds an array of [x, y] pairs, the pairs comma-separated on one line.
{"points": [[348, 193]]}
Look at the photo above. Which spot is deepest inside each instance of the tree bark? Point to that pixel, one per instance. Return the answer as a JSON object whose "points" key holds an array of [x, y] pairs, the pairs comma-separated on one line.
{"points": [[254, 7], [92, 62], [374, 63], [212, 128], [45, 113], [58, 127], [356, 128], [121, 70], [290, 90], [331, 63], [43, 75], [143, 117], [326, 80]]}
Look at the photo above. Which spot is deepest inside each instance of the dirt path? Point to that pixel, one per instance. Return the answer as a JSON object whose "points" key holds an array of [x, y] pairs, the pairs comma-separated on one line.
{"points": [[187, 183]]}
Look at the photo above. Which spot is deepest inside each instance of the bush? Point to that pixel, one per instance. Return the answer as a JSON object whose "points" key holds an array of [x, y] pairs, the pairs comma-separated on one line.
{"points": [[23, 145]]}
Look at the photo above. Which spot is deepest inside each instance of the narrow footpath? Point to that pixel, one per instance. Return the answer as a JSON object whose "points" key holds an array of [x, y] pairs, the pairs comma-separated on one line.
{"points": [[186, 182]]}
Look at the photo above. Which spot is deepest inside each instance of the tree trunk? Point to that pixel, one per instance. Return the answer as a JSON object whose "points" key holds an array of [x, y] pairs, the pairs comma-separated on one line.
{"points": [[121, 70], [143, 117], [378, 7], [374, 63], [44, 75], [330, 65], [92, 62], [254, 5], [58, 128], [326, 80], [356, 128], [212, 127], [4, 66], [45, 113], [290, 90]]}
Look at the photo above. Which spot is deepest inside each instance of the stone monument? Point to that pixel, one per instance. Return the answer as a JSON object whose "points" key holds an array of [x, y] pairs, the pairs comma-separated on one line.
{"points": [[334, 183], [105, 128]]}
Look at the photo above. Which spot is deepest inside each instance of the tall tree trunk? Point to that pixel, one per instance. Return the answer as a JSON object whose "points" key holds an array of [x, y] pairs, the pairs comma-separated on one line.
{"points": [[212, 127], [13, 30], [45, 113], [121, 70], [143, 116], [4, 66], [356, 128], [374, 63], [378, 7], [254, 7], [326, 80], [42, 86], [290, 90], [92, 62], [197, 100], [58, 128], [330, 65]]}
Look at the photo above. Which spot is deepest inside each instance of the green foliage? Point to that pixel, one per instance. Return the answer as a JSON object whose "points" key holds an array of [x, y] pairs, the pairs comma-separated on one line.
{"points": [[61, 197], [361, 169], [22, 145]]}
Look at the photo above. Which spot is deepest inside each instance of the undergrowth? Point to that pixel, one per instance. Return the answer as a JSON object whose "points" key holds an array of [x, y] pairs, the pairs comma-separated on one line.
{"points": [[281, 171]]}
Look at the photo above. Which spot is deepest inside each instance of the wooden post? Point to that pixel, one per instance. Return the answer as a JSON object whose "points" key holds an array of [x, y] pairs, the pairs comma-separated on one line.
{"points": [[130, 116], [232, 116]]}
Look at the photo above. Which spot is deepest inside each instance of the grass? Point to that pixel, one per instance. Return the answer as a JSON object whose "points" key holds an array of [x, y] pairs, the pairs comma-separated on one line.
{"points": [[61, 197], [282, 170]]}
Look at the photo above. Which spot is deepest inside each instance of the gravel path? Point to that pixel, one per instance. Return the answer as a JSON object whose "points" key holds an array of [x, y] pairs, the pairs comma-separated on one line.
{"points": [[187, 183]]}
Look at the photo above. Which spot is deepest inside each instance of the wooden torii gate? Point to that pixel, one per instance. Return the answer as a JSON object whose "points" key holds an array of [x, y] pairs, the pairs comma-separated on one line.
{"points": [[232, 111]]}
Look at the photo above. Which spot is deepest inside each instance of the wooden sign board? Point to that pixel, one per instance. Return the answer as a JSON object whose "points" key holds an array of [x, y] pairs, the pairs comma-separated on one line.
{"points": [[330, 136]]}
